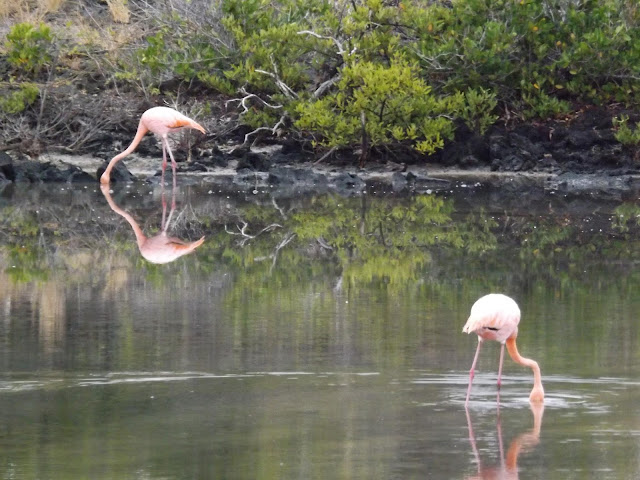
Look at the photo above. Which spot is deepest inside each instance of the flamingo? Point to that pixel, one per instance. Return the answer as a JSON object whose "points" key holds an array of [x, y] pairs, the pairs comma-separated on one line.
{"points": [[496, 317], [161, 121], [160, 248]]}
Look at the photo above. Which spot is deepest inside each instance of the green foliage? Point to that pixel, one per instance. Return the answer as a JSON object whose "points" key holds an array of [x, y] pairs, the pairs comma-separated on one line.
{"points": [[393, 75], [175, 51], [541, 105], [626, 215], [624, 133], [478, 109], [385, 104], [271, 52], [29, 47], [534, 55], [17, 101]]}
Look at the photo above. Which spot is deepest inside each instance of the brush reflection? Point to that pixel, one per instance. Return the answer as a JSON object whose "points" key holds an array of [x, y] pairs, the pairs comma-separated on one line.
{"points": [[160, 248], [508, 468]]}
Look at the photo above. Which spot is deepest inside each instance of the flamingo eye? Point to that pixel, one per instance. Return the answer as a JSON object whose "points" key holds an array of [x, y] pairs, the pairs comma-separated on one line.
{"points": [[492, 328]]}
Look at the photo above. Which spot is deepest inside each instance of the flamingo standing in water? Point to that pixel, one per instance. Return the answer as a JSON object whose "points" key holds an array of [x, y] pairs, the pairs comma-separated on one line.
{"points": [[496, 317], [161, 121]]}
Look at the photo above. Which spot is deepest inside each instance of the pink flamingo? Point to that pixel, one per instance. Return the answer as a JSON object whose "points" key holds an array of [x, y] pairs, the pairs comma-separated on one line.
{"points": [[160, 248], [161, 121], [496, 317]]}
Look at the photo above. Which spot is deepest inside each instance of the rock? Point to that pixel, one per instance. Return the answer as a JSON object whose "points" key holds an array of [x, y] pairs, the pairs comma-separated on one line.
{"points": [[120, 172], [399, 182], [296, 176], [348, 183], [30, 171], [7, 171], [421, 183], [254, 161], [580, 184], [247, 179], [74, 174]]}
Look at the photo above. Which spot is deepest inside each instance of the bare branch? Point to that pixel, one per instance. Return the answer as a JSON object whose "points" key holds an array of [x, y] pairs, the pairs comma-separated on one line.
{"points": [[247, 96], [323, 243], [281, 85], [341, 50], [324, 86], [326, 155]]}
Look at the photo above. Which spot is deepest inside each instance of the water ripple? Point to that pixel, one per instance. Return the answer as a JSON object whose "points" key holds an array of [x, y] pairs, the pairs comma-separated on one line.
{"points": [[561, 392]]}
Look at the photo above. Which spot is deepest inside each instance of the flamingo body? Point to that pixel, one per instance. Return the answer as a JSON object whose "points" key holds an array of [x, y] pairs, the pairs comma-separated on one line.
{"points": [[160, 121], [496, 317]]}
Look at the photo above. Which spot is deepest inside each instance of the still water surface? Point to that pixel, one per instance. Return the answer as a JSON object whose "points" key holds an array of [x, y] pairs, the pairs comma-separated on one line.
{"points": [[313, 336]]}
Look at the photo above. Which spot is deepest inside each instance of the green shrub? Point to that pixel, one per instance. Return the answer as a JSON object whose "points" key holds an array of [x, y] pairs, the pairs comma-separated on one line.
{"points": [[332, 68], [19, 100], [535, 55], [478, 109], [376, 105], [29, 48], [272, 57], [624, 133]]}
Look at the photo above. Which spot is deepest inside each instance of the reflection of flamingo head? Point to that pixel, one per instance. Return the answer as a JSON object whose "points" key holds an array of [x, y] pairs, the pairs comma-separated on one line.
{"points": [[164, 249]]}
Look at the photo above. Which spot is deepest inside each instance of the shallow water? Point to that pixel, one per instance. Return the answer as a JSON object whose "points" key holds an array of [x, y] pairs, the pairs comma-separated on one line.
{"points": [[314, 336]]}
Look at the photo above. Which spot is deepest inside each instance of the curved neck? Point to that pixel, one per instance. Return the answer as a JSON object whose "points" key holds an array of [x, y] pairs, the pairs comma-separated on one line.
{"points": [[140, 133], [527, 362]]}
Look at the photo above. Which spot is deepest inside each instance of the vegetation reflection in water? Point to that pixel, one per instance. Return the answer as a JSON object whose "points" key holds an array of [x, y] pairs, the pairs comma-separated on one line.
{"points": [[360, 240], [313, 284]]}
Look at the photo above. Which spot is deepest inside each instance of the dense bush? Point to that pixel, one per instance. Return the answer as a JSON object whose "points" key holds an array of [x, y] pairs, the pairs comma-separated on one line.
{"points": [[29, 48], [371, 74]]}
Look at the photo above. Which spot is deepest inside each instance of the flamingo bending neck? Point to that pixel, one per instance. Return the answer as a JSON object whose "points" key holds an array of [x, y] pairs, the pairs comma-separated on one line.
{"points": [[537, 393], [140, 133]]}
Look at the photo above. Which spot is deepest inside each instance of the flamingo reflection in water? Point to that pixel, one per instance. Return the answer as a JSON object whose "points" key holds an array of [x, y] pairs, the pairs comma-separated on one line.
{"points": [[508, 468], [160, 248]]}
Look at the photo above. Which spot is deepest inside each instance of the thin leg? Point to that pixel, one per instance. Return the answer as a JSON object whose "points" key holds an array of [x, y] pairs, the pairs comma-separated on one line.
{"points": [[500, 366], [472, 371], [164, 160], [174, 165]]}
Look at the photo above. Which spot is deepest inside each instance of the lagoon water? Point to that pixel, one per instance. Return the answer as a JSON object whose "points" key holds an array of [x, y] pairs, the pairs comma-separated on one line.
{"points": [[314, 336]]}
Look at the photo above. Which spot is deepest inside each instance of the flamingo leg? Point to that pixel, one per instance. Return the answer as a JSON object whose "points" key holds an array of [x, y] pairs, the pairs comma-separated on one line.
{"points": [[500, 366], [164, 160], [472, 371], [174, 165]]}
